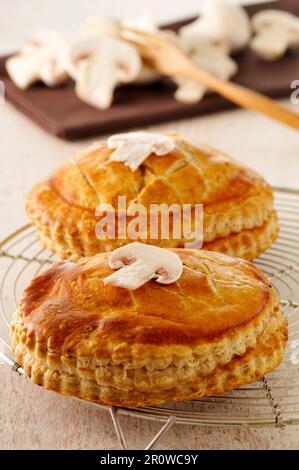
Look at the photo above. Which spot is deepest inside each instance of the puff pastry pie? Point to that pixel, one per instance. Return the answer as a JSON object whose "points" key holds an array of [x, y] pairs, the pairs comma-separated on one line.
{"points": [[238, 213], [75, 335]]}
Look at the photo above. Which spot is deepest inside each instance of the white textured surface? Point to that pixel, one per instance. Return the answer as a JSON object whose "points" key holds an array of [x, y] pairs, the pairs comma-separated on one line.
{"points": [[32, 418]]}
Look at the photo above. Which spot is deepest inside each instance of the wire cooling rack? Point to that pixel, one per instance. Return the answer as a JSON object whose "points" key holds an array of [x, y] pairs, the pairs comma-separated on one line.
{"points": [[274, 400]]}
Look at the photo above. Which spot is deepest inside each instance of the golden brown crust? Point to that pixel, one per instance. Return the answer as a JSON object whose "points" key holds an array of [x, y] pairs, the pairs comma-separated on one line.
{"points": [[235, 198], [74, 335]]}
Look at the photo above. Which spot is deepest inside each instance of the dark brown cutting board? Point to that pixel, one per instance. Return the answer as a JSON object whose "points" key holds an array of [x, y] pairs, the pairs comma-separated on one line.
{"points": [[61, 113]]}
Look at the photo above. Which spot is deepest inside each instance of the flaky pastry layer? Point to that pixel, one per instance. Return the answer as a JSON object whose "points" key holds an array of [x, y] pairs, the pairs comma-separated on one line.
{"points": [[246, 244], [113, 384]]}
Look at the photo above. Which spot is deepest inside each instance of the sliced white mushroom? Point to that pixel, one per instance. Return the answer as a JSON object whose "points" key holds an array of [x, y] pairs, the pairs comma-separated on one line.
{"points": [[211, 57], [42, 58], [108, 27], [133, 148], [221, 23], [99, 64], [138, 263], [276, 32]]}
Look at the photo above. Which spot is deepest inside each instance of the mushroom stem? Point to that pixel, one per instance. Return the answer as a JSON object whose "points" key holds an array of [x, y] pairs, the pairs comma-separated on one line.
{"points": [[133, 275]]}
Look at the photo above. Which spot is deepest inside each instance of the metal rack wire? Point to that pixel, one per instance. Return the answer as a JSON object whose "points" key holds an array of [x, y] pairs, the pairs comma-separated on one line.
{"points": [[274, 400]]}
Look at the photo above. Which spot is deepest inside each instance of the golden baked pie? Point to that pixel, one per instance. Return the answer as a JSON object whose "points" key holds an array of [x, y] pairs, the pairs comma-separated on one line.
{"points": [[217, 327], [238, 214]]}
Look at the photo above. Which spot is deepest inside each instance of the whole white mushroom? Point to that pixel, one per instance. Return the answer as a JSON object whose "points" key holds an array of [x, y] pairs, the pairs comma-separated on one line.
{"points": [[221, 23], [108, 27]]}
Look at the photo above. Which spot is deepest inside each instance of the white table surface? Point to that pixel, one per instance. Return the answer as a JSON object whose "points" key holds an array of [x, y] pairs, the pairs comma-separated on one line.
{"points": [[30, 417]]}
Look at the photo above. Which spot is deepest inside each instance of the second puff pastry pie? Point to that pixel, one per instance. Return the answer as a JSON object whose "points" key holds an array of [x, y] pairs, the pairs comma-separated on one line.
{"points": [[239, 218], [217, 327]]}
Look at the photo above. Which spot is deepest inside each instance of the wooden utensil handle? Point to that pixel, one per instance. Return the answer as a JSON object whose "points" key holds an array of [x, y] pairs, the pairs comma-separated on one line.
{"points": [[245, 97]]}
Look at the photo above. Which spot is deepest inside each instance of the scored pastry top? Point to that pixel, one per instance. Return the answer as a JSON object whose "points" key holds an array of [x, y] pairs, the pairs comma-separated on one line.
{"points": [[185, 175], [68, 207], [70, 309]]}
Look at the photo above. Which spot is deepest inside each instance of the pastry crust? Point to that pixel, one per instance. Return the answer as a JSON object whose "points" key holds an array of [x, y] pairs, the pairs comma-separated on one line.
{"points": [[74, 335], [236, 200]]}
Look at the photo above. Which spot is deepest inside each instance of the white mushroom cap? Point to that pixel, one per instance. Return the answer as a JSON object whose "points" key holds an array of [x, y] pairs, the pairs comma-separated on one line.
{"points": [[138, 263], [276, 31], [98, 64], [211, 57], [42, 58], [221, 23], [133, 148]]}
